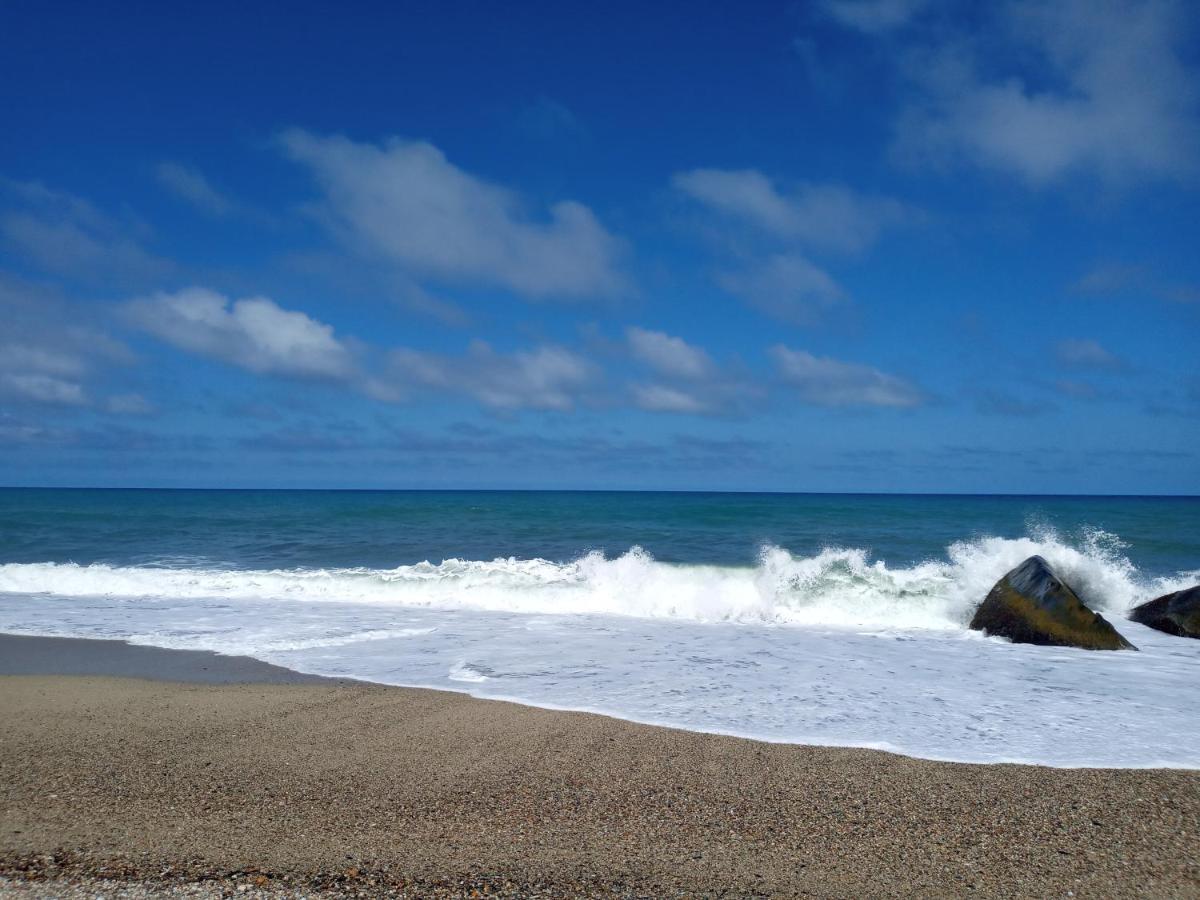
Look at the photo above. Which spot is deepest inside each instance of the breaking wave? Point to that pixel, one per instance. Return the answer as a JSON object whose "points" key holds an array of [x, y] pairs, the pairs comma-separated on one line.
{"points": [[838, 587]]}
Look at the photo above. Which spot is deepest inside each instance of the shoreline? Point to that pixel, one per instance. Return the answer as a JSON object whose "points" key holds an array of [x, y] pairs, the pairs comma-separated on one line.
{"points": [[160, 767], [22, 654]]}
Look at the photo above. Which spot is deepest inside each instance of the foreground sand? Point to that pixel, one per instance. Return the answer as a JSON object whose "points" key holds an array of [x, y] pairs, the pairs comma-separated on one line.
{"points": [[349, 787]]}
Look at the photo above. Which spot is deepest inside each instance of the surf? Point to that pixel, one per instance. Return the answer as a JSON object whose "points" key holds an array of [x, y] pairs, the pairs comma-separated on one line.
{"points": [[835, 587]]}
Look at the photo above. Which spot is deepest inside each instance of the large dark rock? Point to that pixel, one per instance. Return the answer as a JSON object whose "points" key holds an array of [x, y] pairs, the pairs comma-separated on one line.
{"points": [[1177, 613], [1032, 605]]}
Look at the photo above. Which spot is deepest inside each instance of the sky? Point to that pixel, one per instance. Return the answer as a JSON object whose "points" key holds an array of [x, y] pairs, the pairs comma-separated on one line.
{"points": [[837, 245]]}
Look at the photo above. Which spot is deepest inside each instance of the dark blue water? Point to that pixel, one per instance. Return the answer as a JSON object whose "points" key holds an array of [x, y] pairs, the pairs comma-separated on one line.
{"points": [[383, 529]]}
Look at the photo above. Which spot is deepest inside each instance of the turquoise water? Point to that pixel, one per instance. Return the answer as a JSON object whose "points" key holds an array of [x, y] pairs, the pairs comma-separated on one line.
{"points": [[803, 618], [271, 529]]}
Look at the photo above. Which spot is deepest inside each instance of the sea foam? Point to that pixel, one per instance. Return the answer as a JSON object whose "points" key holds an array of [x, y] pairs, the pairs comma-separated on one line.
{"points": [[828, 648], [836, 587]]}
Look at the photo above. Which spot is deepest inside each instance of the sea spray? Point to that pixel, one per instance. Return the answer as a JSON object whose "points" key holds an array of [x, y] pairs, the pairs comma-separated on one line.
{"points": [[836, 588], [827, 648]]}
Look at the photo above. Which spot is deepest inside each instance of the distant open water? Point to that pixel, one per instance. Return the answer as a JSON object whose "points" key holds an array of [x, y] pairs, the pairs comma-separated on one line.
{"points": [[824, 619]]}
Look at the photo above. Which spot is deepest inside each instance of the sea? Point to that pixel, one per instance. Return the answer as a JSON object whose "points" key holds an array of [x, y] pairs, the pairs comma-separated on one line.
{"points": [[802, 618]]}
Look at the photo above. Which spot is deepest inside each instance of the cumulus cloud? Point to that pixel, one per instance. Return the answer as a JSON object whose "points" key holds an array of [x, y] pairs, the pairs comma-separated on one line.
{"points": [[829, 216], [68, 236], [405, 202], [1096, 86], [1084, 353], [190, 184], [547, 377], [786, 286], [667, 354], [823, 381], [253, 333]]}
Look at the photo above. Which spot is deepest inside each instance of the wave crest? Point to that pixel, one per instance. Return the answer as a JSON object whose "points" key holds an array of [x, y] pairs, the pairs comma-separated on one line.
{"points": [[838, 587]]}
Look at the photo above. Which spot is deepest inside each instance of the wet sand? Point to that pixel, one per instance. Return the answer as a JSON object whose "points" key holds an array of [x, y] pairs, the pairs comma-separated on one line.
{"points": [[162, 769]]}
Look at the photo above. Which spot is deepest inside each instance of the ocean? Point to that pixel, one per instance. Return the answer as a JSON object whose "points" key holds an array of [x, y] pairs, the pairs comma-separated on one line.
{"points": [[818, 619]]}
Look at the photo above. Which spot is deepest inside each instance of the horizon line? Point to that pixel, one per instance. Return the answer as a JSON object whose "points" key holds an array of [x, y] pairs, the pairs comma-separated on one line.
{"points": [[528, 490]]}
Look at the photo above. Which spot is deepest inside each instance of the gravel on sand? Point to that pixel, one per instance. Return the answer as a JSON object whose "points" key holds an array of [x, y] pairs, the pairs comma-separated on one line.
{"points": [[334, 789]]}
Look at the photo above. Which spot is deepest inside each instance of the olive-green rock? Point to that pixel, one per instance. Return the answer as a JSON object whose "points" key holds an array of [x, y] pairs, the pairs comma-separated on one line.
{"points": [[1177, 613], [1032, 605]]}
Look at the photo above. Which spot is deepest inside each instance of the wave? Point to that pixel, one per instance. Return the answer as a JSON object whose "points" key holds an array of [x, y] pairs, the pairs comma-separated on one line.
{"points": [[838, 587]]}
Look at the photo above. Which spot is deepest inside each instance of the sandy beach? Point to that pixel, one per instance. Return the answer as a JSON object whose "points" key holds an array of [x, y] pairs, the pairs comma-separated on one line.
{"points": [[165, 768]]}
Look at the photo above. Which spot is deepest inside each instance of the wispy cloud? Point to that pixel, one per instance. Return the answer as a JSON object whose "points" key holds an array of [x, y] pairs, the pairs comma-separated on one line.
{"points": [[66, 235], [49, 348], [405, 202], [189, 184], [684, 378], [546, 119], [827, 216], [1116, 278], [783, 226], [786, 286], [547, 377], [1003, 403], [1056, 89], [873, 16], [1085, 353], [42, 389], [823, 381]]}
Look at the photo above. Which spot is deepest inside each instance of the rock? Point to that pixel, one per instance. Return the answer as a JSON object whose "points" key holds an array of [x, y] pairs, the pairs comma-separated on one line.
{"points": [[1032, 605], [1177, 613]]}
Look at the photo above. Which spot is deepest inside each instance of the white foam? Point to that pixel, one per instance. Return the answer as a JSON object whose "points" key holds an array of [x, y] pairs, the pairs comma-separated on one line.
{"points": [[833, 648], [834, 588], [463, 671]]}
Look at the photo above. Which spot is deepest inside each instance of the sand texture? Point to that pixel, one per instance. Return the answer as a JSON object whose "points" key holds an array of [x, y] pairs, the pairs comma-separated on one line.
{"points": [[310, 788]]}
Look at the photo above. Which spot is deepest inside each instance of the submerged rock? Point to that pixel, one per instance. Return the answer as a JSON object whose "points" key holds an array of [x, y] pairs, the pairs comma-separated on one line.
{"points": [[1177, 613], [1032, 605]]}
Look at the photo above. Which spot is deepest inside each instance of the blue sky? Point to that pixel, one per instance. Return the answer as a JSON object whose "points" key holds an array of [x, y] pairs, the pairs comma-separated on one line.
{"points": [[842, 245]]}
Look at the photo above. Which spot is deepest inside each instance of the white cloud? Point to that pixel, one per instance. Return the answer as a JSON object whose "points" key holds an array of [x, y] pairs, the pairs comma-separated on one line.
{"points": [[49, 348], [664, 398], [829, 216], [253, 333], [1084, 353], [667, 354], [786, 286], [189, 184], [873, 16], [1080, 85], [405, 202], [66, 235], [43, 389], [829, 382], [546, 377], [687, 380], [47, 360]]}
